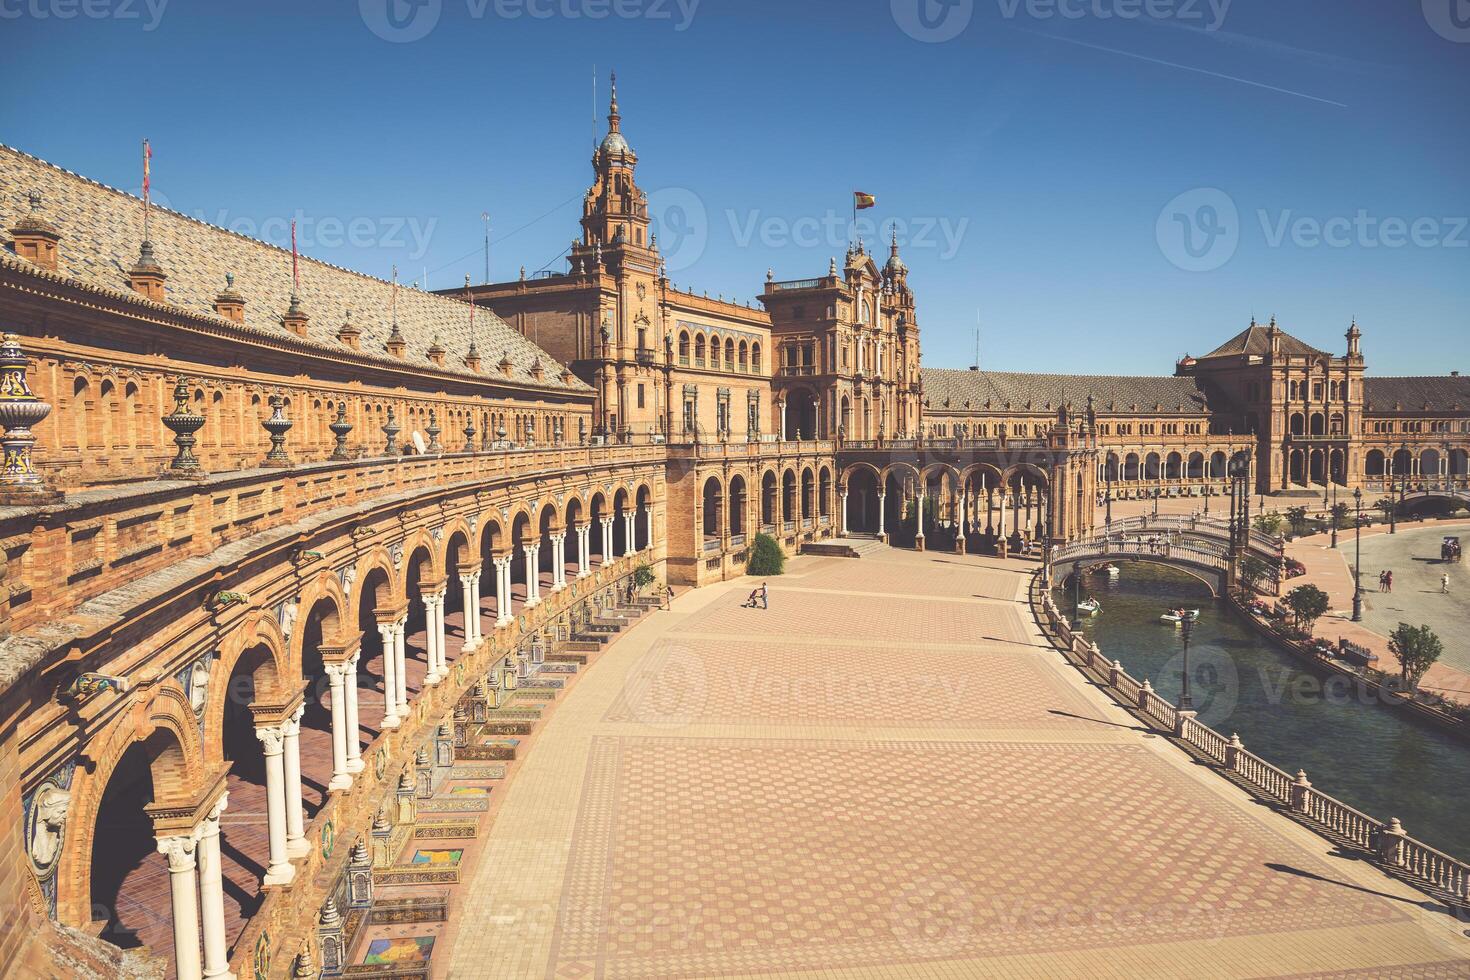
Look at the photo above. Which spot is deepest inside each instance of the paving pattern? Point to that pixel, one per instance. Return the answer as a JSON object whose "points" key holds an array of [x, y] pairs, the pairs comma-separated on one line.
{"points": [[879, 777]]}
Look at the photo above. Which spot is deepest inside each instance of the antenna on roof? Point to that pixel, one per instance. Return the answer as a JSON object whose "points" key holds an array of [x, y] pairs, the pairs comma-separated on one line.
{"points": [[594, 108], [975, 366]]}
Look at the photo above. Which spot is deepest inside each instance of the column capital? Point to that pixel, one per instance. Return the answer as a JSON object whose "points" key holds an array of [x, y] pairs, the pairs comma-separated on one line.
{"points": [[344, 649], [432, 590], [179, 849], [272, 739]]}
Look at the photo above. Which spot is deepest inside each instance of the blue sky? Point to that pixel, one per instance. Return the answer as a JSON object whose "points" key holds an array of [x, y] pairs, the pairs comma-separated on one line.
{"points": [[1098, 191]]}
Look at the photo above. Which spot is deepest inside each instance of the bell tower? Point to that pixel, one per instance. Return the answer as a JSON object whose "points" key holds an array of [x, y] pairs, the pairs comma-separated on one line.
{"points": [[614, 211]]}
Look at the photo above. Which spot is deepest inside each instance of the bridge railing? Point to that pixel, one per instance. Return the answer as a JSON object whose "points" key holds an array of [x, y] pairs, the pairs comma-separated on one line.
{"points": [[1386, 843]]}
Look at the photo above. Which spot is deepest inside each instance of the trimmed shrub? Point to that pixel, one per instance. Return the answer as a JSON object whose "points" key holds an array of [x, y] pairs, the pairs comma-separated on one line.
{"points": [[766, 558]]}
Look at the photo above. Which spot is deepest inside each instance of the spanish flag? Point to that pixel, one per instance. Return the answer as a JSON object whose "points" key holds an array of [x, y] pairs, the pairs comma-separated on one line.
{"points": [[861, 201]]}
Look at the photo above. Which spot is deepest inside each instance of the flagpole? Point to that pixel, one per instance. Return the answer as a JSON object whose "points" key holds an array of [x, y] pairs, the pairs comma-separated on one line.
{"points": [[485, 217], [147, 155]]}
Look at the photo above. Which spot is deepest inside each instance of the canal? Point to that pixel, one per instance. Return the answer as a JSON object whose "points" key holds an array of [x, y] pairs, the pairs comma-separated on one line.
{"points": [[1369, 756]]}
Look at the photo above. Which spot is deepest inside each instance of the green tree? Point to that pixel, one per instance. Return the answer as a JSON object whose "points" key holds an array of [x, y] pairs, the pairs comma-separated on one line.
{"points": [[1307, 603], [642, 577], [1268, 523], [1417, 648], [766, 558], [1297, 517]]}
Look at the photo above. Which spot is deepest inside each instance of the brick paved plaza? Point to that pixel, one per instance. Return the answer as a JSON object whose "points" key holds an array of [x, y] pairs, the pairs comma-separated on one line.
{"points": [[888, 773]]}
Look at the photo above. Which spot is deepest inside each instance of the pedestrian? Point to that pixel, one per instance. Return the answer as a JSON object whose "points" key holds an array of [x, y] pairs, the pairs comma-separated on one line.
{"points": [[1382, 581], [1444, 584], [765, 597], [1388, 580]]}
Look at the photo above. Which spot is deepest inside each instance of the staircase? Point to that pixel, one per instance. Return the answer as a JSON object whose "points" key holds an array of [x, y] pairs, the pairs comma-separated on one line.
{"points": [[852, 546]]}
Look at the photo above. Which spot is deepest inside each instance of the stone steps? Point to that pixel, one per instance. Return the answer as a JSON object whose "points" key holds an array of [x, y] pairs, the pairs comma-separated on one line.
{"points": [[849, 547]]}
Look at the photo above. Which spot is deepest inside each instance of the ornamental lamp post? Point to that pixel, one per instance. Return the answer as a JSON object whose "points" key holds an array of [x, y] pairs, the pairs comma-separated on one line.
{"points": [[1186, 701], [1332, 515], [1358, 557]]}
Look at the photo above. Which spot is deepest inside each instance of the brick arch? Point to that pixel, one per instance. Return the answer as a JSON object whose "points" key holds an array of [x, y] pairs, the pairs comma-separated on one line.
{"points": [[323, 587], [970, 472], [853, 469], [459, 527], [489, 520], [166, 724], [376, 559], [1031, 469], [279, 679], [420, 540], [897, 469]]}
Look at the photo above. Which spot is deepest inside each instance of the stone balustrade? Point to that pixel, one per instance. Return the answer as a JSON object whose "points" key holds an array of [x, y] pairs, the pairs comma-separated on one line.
{"points": [[1387, 843]]}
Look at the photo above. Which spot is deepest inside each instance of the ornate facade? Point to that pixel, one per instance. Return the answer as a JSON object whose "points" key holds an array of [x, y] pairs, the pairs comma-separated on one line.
{"points": [[278, 537]]}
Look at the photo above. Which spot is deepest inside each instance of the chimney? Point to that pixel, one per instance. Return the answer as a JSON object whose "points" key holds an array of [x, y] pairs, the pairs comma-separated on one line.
{"points": [[537, 371], [472, 358], [147, 276], [35, 237], [296, 319], [348, 333], [396, 344], [436, 352], [505, 364], [230, 304]]}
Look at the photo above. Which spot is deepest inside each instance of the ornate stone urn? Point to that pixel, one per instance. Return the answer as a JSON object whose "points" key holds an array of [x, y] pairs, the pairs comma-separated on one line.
{"points": [[183, 421], [20, 409]]}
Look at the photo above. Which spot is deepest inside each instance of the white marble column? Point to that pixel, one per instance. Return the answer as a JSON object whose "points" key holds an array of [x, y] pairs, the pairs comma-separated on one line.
{"points": [[606, 526], [533, 574], [558, 561], [648, 524], [273, 743], [433, 637], [337, 678], [630, 535], [881, 513], [919, 515], [400, 652], [390, 676], [183, 890], [212, 896], [502, 590], [354, 739], [844, 512], [470, 599], [296, 845], [584, 546], [475, 592]]}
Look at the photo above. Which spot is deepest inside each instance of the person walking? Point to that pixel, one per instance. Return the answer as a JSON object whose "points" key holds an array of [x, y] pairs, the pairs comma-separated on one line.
{"points": [[1444, 584], [1388, 580], [765, 597], [1382, 581]]}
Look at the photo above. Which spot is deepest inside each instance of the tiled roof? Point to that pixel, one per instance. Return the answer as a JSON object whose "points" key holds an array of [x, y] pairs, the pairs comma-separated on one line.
{"points": [[1256, 339], [1444, 392], [102, 228], [959, 391]]}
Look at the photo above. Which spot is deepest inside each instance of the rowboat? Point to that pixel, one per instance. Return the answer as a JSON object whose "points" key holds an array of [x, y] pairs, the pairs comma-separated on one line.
{"points": [[1176, 619]]}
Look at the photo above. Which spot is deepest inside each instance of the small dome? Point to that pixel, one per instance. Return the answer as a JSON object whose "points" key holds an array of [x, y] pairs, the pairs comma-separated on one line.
{"points": [[614, 144], [895, 267]]}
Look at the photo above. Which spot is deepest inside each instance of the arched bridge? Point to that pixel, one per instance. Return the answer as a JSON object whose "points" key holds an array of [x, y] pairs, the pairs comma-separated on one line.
{"points": [[1197, 546]]}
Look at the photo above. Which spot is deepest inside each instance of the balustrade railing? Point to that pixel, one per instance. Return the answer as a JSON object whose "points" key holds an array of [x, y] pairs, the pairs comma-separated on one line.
{"points": [[1385, 842]]}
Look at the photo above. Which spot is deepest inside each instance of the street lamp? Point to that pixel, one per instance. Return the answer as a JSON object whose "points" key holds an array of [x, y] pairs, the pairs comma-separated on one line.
{"points": [[1076, 597], [1108, 471], [1332, 515], [1186, 627], [1157, 491], [1209, 492], [1358, 557]]}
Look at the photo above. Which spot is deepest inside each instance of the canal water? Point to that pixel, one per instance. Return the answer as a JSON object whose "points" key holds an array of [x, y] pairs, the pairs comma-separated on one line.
{"points": [[1369, 756]]}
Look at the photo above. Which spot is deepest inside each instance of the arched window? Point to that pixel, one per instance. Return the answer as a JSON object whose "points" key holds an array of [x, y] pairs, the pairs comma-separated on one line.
{"points": [[755, 357]]}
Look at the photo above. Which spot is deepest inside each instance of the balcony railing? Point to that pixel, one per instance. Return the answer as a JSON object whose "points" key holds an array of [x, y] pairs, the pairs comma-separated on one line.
{"points": [[777, 287], [645, 356]]}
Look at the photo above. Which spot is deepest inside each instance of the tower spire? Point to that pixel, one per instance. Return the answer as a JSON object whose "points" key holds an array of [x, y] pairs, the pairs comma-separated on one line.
{"points": [[613, 117]]}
